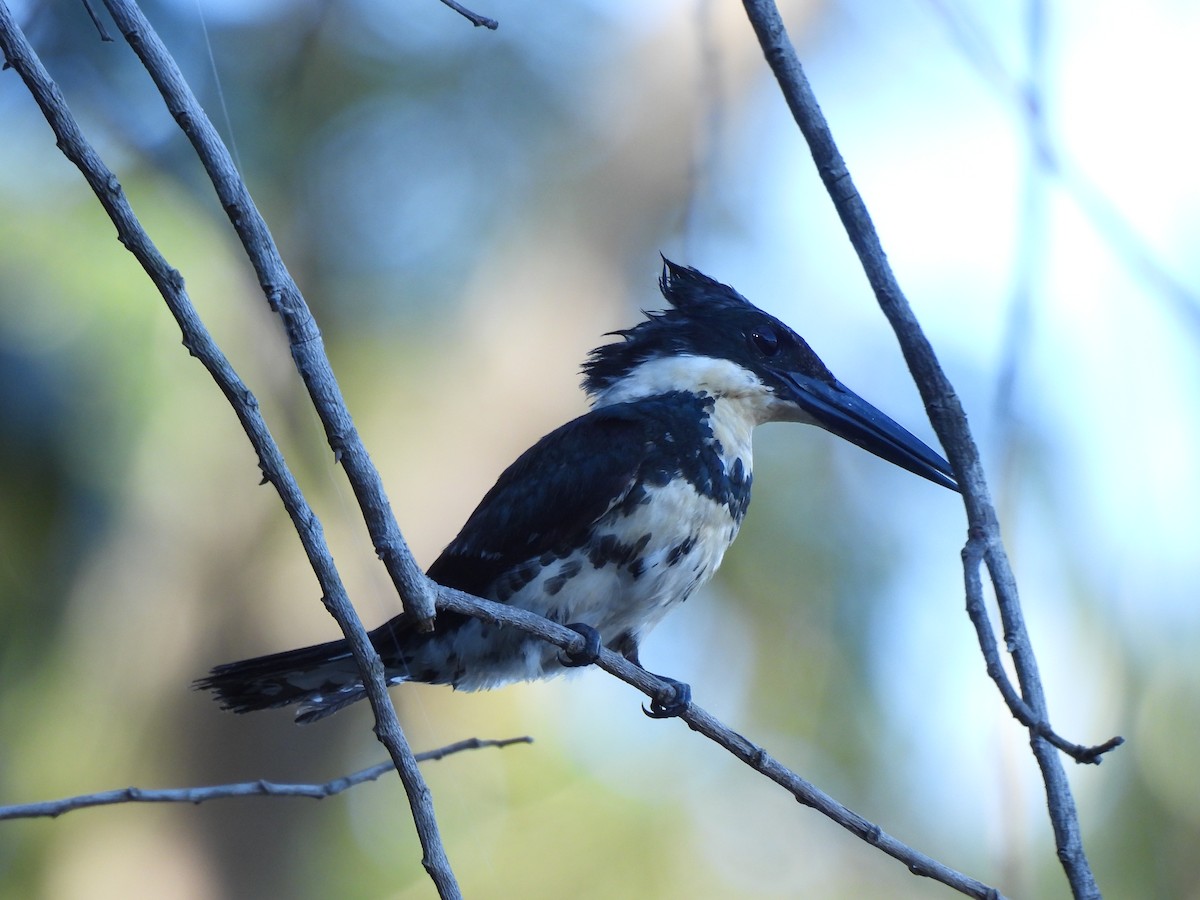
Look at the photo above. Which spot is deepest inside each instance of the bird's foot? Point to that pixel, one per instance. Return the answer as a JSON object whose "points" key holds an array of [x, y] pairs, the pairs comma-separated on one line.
{"points": [[591, 647], [671, 702]]}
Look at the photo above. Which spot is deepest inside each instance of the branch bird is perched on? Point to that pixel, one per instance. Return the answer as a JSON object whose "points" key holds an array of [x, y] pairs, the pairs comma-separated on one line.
{"points": [[613, 519]]}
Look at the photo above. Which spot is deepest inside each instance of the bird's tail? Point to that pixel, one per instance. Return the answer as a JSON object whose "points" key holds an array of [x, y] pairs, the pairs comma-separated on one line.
{"points": [[322, 679]]}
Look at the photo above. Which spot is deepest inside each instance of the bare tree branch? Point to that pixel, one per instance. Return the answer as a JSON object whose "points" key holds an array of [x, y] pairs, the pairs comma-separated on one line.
{"points": [[704, 723], [100, 29], [21, 57], [977, 609], [306, 347], [259, 788], [285, 298], [474, 18], [948, 420]]}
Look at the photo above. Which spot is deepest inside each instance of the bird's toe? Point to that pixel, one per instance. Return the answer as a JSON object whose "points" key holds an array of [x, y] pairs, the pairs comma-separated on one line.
{"points": [[591, 647], [672, 701]]}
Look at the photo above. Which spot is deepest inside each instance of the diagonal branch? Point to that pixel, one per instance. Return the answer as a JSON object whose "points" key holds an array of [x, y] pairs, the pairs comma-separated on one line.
{"points": [[21, 57], [947, 417], [306, 345], [707, 725], [473, 17], [284, 297], [259, 788], [972, 555]]}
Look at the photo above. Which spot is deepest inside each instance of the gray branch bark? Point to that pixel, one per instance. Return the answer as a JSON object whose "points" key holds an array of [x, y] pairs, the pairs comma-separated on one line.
{"points": [[950, 423], [310, 358], [259, 788], [415, 590]]}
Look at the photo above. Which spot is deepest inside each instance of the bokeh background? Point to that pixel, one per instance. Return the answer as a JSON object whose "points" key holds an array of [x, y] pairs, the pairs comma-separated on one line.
{"points": [[467, 212]]}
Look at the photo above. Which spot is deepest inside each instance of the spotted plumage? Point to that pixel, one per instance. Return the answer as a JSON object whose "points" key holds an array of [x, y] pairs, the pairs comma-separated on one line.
{"points": [[614, 518]]}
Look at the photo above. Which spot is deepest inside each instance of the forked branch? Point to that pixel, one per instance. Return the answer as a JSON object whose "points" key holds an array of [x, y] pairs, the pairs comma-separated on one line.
{"points": [[71, 141], [950, 423]]}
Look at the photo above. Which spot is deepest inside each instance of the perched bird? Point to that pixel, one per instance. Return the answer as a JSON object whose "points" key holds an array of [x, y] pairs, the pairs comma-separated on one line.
{"points": [[613, 519]]}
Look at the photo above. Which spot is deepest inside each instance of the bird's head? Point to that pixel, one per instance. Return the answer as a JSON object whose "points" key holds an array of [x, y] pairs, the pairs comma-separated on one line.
{"points": [[714, 341]]}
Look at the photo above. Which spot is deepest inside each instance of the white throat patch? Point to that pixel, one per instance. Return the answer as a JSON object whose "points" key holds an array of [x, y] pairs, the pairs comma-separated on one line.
{"points": [[744, 393]]}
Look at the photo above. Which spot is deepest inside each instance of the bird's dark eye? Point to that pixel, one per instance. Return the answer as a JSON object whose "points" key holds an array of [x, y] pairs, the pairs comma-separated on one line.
{"points": [[766, 341]]}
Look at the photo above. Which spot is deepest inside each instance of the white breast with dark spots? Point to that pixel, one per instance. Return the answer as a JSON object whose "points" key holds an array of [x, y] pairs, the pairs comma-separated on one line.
{"points": [[641, 559], [639, 565], [641, 562], [635, 568]]}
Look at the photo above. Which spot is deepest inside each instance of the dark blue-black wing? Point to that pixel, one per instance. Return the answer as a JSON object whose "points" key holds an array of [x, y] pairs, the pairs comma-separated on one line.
{"points": [[545, 502], [548, 499]]}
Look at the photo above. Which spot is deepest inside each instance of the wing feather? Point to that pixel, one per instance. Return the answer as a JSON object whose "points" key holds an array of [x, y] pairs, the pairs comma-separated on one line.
{"points": [[548, 499]]}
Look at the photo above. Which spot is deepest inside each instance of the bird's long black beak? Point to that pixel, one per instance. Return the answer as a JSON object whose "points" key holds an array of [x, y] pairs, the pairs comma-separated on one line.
{"points": [[840, 411]]}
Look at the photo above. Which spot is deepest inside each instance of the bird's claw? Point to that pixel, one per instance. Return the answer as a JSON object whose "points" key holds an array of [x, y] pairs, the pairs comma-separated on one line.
{"points": [[591, 647], [671, 702]]}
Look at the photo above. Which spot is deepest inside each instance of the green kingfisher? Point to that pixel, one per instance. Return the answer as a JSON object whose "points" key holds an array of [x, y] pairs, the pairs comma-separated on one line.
{"points": [[613, 519]]}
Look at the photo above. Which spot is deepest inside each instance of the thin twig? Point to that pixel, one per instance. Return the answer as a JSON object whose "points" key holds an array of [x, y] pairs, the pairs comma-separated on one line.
{"points": [[474, 18], [200, 344], [946, 415], [259, 788], [973, 554], [91, 11]]}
